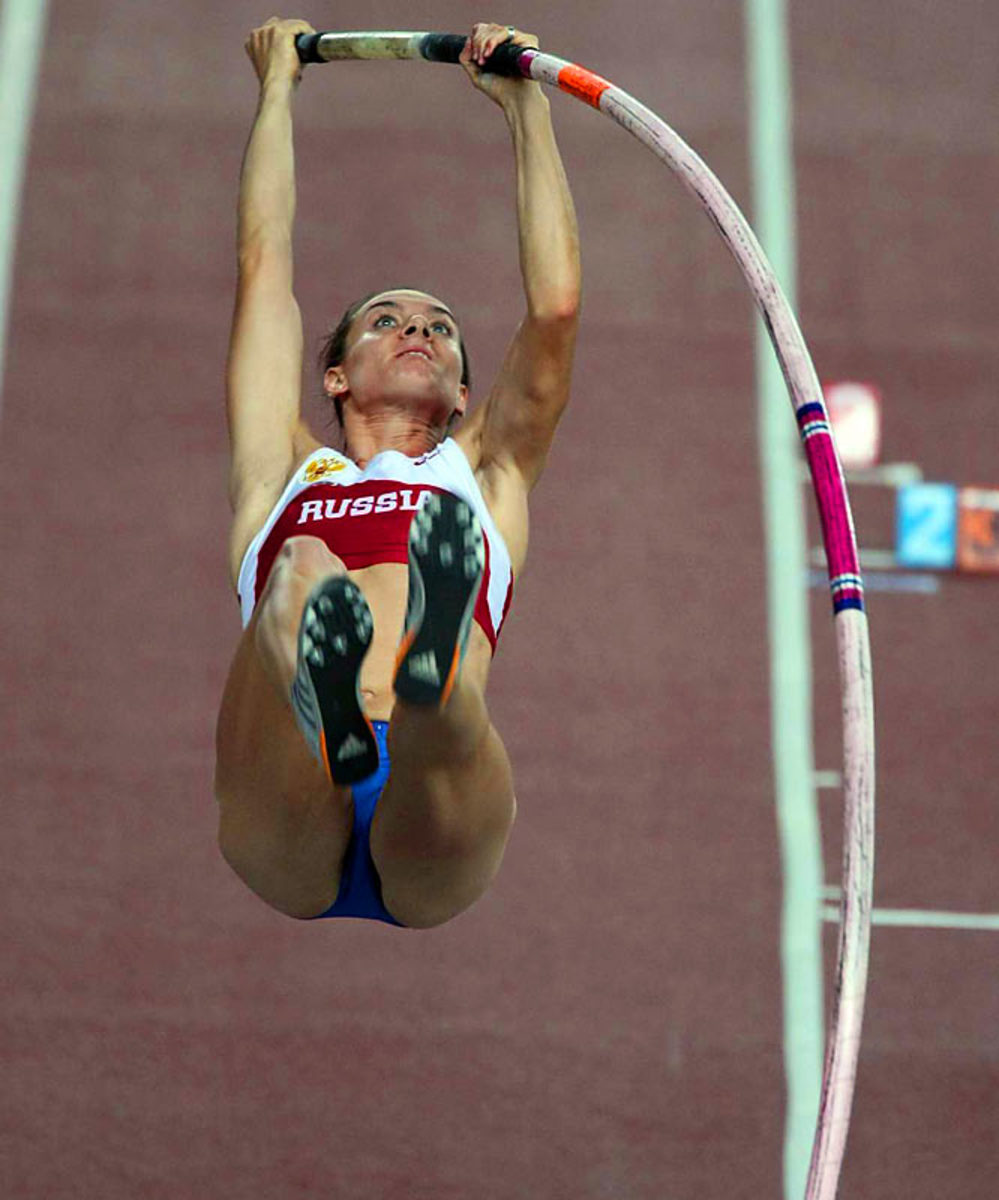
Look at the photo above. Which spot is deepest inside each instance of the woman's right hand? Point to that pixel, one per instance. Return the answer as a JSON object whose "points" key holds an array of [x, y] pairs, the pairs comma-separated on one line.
{"points": [[271, 49]]}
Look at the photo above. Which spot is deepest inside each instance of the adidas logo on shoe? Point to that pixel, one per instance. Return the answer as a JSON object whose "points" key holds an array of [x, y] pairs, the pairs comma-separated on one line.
{"points": [[424, 667], [351, 747]]}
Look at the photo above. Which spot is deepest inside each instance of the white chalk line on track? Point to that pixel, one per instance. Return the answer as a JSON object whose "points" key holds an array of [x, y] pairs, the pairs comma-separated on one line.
{"points": [[905, 918], [22, 30], [918, 918]]}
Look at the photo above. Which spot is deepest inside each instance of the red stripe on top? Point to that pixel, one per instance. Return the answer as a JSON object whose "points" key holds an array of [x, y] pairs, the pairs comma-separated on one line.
{"points": [[363, 524]]}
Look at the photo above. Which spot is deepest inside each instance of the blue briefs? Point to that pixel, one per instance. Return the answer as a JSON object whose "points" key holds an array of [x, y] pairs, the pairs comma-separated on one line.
{"points": [[360, 893]]}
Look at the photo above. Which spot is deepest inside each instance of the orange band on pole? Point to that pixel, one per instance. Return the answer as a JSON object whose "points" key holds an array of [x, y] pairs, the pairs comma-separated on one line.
{"points": [[582, 84]]}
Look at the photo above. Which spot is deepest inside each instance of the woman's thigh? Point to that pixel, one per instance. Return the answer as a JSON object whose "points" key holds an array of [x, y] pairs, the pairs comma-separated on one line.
{"points": [[440, 833], [283, 826]]}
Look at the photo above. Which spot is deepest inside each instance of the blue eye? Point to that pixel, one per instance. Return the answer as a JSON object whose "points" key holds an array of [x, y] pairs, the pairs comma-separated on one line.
{"points": [[443, 326], [384, 317]]}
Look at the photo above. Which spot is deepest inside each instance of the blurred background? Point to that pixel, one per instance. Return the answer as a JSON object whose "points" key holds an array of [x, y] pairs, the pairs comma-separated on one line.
{"points": [[608, 1020]]}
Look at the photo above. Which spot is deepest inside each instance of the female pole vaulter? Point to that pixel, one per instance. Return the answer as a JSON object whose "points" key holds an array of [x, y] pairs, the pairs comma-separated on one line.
{"points": [[358, 772]]}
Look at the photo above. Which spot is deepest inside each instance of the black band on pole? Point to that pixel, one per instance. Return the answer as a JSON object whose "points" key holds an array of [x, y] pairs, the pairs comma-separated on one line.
{"points": [[307, 45], [434, 47], [442, 47], [446, 47]]}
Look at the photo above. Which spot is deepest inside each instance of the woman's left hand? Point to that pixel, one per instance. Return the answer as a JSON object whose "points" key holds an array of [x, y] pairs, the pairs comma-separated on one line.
{"points": [[485, 38]]}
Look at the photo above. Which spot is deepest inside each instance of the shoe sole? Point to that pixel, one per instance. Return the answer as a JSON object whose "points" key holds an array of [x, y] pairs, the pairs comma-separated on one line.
{"points": [[446, 564], [333, 638]]}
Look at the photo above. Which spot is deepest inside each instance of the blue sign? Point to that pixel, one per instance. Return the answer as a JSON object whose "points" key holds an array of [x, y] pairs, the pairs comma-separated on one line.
{"points": [[926, 525]]}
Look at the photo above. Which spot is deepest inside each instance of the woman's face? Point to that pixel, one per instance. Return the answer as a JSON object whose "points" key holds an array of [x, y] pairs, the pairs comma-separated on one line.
{"points": [[403, 348]]}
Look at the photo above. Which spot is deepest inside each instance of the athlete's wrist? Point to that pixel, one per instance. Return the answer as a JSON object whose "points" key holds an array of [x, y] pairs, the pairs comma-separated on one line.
{"points": [[277, 88], [526, 105]]}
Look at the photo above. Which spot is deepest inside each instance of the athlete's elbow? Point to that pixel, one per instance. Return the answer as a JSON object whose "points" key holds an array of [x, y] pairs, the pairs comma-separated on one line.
{"points": [[263, 250], [560, 310]]}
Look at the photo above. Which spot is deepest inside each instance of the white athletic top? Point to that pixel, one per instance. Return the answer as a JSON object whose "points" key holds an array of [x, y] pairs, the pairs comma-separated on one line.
{"points": [[363, 516]]}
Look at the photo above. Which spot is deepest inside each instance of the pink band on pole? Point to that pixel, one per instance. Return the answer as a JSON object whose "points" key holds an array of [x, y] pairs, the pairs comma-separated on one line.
{"points": [[834, 513]]}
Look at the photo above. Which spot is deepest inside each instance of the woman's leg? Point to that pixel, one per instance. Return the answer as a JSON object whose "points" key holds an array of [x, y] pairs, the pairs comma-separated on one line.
{"points": [[443, 821], [283, 826], [442, 825]]}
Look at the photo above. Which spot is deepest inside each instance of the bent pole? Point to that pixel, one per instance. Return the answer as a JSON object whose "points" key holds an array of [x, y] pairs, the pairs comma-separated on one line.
{"points": [[845, 582]]}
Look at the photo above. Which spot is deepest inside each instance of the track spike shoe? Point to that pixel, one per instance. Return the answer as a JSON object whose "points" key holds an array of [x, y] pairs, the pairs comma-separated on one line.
{"points": [[446, 563], [333, 638]]}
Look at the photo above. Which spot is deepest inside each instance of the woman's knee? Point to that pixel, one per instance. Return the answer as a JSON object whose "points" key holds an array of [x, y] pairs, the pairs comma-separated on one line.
{"points": [[300, 564], [447, 829], [231, 836], [426, 882], [309, 556]]}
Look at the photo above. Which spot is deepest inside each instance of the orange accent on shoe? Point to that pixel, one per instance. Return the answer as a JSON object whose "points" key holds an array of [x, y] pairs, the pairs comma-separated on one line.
{"points": [[452, 676]]}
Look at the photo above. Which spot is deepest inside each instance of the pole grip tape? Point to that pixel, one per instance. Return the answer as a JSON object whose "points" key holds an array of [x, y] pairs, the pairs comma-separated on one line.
{"points": [[434, 47], [447, 47]]}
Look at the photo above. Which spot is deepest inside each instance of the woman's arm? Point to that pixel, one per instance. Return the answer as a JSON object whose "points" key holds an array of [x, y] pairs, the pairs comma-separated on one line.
{"points": [[264, 368], [522, 411]]}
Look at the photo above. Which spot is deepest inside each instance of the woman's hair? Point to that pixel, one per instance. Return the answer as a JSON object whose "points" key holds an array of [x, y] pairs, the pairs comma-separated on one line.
{"points": [[335, 345]]}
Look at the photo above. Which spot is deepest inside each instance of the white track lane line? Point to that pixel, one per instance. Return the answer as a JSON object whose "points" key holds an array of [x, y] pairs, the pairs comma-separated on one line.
{"points": [[22, 30], [772, 167], [918, 918]]}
